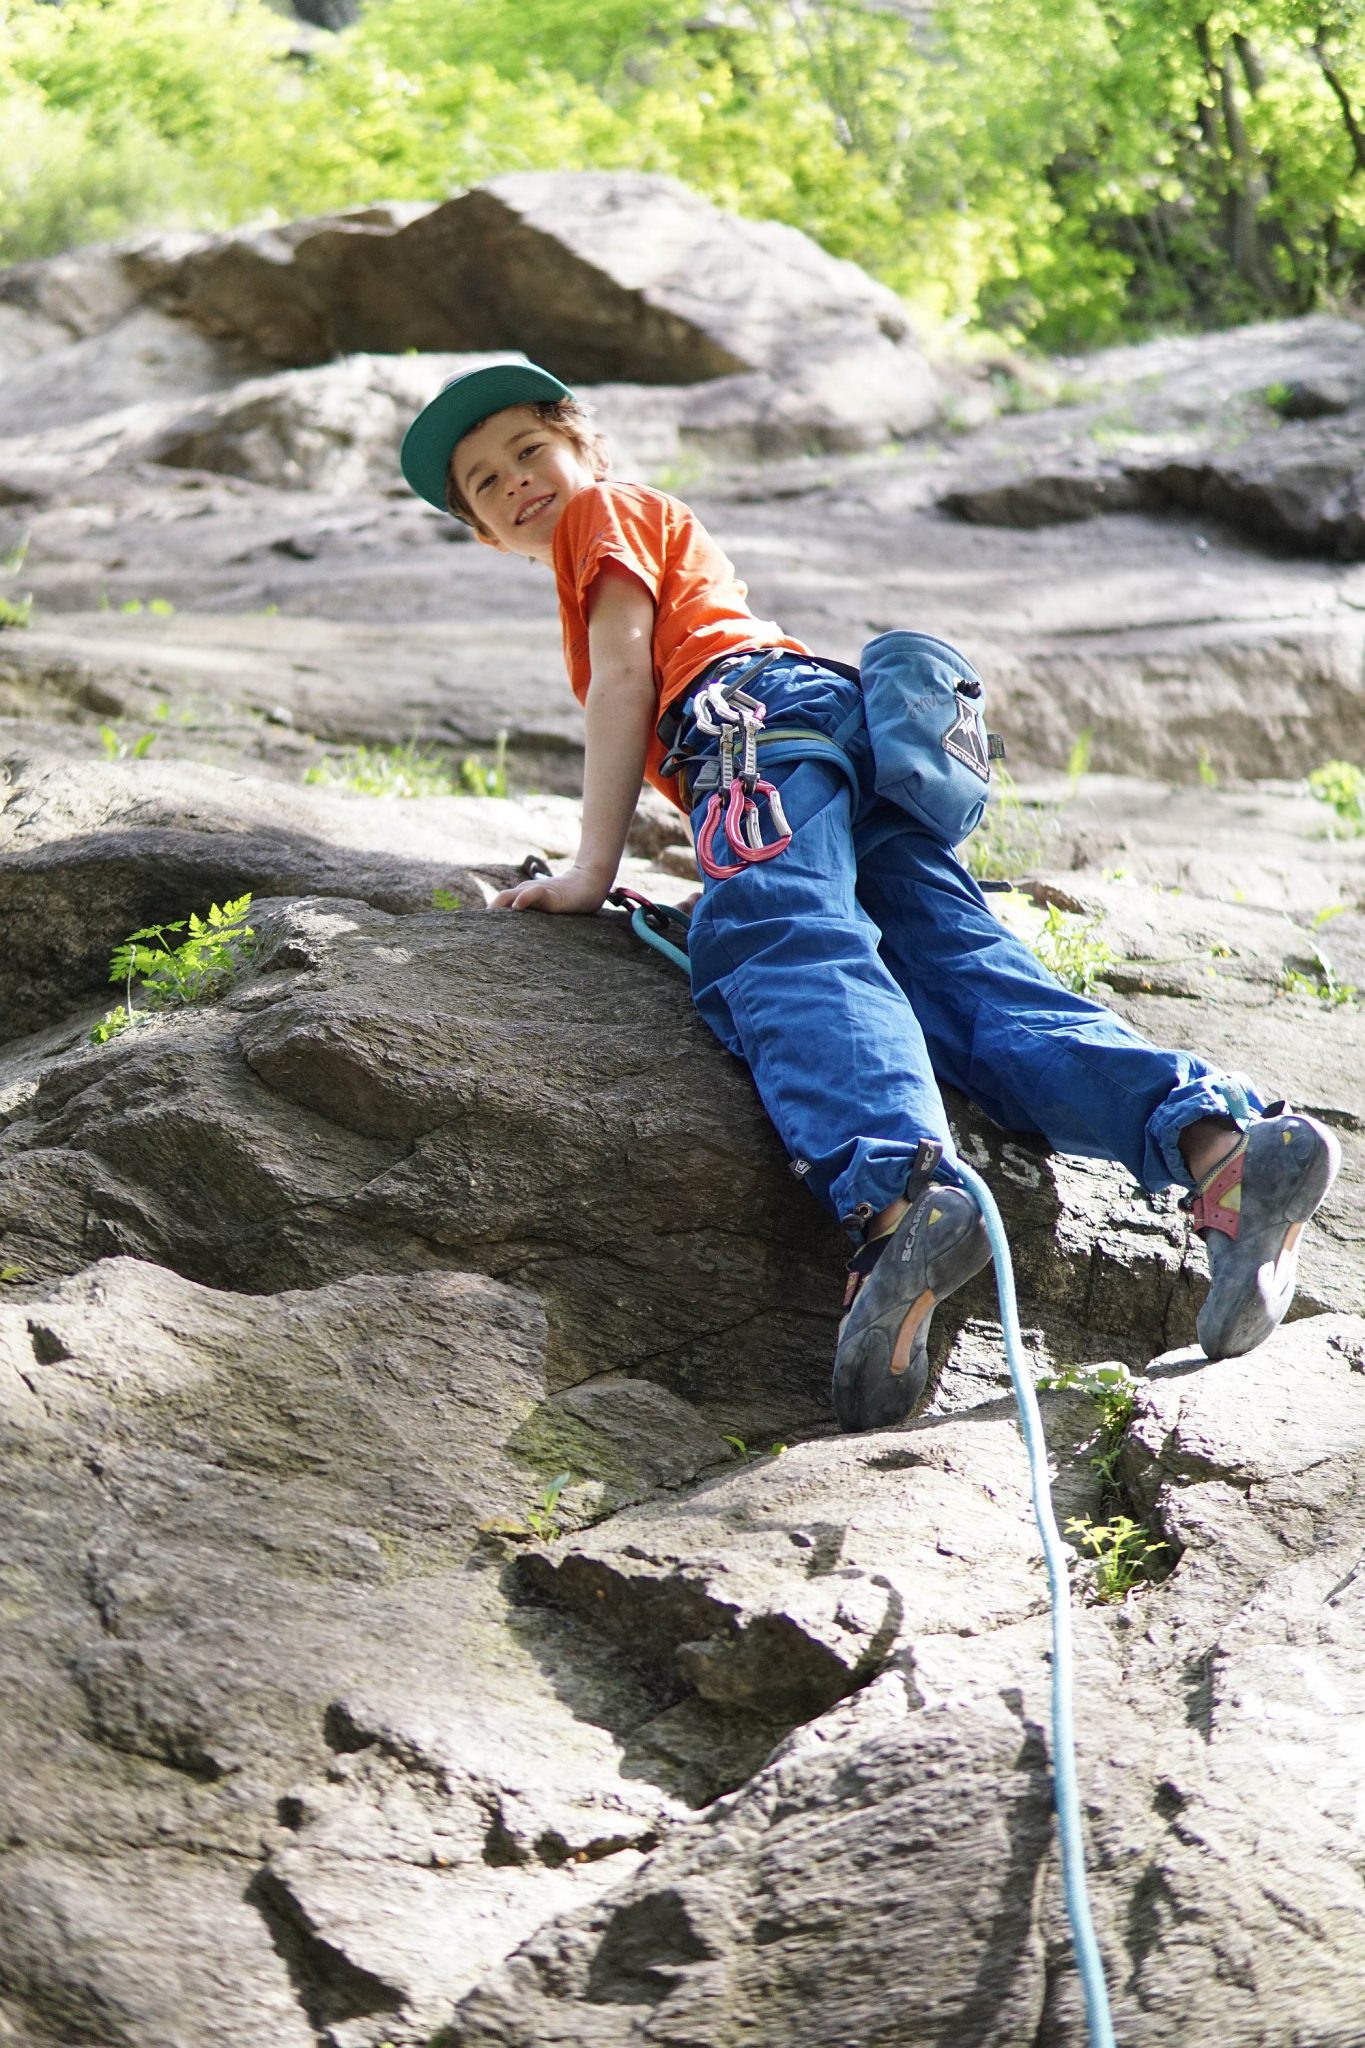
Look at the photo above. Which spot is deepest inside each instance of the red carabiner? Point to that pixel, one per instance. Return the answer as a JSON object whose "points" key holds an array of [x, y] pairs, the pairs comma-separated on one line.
{"points": [[706, 860], [740, 811]]}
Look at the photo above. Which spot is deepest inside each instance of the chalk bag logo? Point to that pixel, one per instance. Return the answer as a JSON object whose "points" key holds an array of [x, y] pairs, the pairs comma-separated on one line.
{"points": [[966, 742]]}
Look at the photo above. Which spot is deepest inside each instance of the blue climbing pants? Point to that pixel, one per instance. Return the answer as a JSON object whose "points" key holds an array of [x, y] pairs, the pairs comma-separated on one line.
{"points": [[863, 966]]}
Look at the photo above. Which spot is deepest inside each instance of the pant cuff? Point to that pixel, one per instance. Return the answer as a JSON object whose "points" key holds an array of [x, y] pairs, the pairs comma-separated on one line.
{"points": [[871, 1184], [1211, 1094]]}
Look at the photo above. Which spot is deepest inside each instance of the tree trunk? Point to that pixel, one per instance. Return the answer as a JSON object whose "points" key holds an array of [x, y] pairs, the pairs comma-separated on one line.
{"points": [[1245, 186], [1343, 100]]}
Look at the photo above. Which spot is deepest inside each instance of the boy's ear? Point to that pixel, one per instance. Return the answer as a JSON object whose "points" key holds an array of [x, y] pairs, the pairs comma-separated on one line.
{"points": [[488, 540]]}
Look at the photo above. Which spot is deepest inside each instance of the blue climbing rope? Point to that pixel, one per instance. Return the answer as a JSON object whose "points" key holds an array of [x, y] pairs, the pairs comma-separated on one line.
{"points": [[640, 925], [1066, 1795]]}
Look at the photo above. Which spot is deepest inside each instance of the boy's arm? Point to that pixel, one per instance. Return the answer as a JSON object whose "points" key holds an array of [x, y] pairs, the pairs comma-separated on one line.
{"points": [[620, 713]]}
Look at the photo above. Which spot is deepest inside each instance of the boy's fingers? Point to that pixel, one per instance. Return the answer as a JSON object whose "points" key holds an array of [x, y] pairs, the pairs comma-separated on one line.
{"points": [[525, 896]]}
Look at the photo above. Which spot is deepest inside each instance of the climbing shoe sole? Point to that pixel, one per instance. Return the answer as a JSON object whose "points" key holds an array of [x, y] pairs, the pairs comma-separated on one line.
{"points": [[881, 1364], [1251, 1211]]}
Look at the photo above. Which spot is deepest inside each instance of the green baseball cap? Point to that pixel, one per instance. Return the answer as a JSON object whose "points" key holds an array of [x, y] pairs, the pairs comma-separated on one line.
{"points": [[457, 408]]}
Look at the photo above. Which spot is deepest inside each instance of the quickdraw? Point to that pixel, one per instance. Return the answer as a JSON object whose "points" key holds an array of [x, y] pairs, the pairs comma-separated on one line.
{"points": [[729, 712], [653, 922]]}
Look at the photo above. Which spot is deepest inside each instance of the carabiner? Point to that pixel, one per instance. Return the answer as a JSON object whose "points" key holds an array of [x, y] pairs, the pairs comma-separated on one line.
{"points": [[743, 829]]}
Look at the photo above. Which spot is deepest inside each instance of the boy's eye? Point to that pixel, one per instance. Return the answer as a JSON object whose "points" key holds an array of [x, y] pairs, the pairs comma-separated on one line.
{"points": [[483, 483], [531, 448]]}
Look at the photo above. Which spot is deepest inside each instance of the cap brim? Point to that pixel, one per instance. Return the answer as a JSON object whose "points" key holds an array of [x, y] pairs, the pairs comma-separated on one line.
{"points": [[457, 409]]}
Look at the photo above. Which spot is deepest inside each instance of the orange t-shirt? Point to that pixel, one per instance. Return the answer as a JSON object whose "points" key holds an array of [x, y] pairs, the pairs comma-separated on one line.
{"points": [[700, 605]]}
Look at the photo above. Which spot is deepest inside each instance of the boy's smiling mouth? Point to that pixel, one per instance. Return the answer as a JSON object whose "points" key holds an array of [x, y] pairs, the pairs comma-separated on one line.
{"points": [[537, 505]]}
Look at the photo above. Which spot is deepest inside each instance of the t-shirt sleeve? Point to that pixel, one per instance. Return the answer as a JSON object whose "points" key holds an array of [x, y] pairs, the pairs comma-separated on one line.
{"points": [[597, 526]]}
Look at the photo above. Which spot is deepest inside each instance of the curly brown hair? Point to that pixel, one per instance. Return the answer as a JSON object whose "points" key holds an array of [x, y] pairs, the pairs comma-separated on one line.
{"points": [[569, 418]]}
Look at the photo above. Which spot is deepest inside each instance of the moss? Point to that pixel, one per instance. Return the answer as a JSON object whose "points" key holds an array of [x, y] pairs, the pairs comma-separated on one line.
{"points": [[551, 1441]]}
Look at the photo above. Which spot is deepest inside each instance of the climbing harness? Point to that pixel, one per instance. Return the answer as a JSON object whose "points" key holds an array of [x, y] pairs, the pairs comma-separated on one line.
{"points": [[649, 921]]}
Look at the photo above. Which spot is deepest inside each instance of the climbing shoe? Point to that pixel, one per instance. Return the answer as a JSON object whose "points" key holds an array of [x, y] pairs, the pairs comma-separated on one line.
{"points": [[881, 1365], [1250, 1212]]}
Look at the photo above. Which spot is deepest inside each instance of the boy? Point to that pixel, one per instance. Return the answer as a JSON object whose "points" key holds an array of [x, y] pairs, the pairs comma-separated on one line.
{"points": [[852, 962]]}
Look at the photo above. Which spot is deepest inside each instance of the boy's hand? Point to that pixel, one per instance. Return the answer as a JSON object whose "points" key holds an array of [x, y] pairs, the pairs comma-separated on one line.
{"points": [[575, 890]]}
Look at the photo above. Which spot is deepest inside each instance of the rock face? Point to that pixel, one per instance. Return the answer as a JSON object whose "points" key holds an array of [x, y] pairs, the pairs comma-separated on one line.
{"points": [[438, 1612], [405, 1607], [1277, 456], [813, 1902], [605, 277]]}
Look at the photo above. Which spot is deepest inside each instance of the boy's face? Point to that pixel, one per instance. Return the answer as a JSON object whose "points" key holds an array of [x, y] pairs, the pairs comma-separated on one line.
{"points": [[518, 473]]}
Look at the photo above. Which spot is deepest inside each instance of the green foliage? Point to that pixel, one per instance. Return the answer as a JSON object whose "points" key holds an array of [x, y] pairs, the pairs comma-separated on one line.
{"points": [[1320, 982], [1341, 786], [1009, 840], [1124, 1554], [14, 611], [1112, 1390], [404, 771], [748, 1457], [486, 778], [444, 899], [410, 771], [1059, 169], [116, 748], [9, 1274], [110, 1025], [541, 1519], [201, 966], [1070, 947], [1078, 760]]}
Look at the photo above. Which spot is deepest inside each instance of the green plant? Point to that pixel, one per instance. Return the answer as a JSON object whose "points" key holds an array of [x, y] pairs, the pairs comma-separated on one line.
{"points": [[1123, 1552], [406, 771], [542, 1517], [110, 1025], [442, 899], [1078, 760], [116, 747], [682, 475], [1112, 1389], [1009, 840], [200, 967], [484, 778], [14, 611], [9, 1274], [1341, 785], [1070, 947], [159, 607], [1320, 983], [1208, 774], [748, 1457]]}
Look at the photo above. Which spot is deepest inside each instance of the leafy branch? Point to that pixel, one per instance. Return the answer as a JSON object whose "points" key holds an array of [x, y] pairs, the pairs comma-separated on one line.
{"points": [[200, 967]]}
